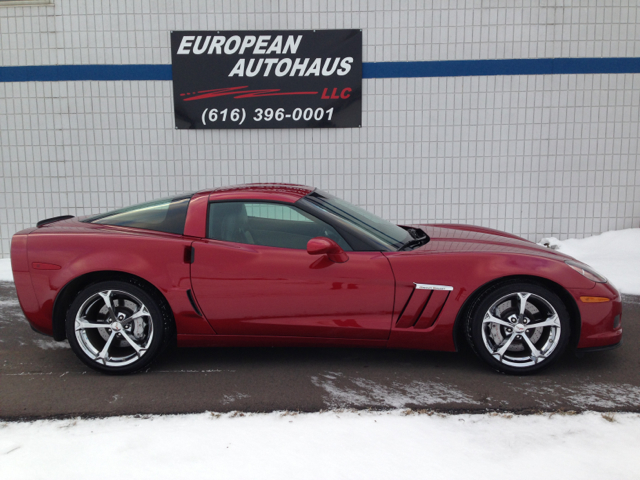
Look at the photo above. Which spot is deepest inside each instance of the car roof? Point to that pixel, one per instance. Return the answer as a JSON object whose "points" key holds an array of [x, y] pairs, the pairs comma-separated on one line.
{"points": [[278, 192]]}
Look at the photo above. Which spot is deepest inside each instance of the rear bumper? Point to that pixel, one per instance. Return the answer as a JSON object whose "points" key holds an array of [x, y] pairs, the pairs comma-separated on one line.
{"points": [[24, 286]]}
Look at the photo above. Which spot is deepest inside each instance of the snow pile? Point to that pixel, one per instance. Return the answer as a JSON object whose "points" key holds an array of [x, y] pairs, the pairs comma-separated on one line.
{"points": [[616, 255], [336, 445], [6, 275]]}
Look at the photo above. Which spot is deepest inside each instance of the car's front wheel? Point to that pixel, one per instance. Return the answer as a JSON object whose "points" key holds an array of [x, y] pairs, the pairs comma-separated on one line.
{"points": [[518, 328], [116, 327]]}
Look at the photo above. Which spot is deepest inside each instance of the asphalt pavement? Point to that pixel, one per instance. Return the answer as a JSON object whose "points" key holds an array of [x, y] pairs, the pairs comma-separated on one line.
{"points": [[41, 378]]}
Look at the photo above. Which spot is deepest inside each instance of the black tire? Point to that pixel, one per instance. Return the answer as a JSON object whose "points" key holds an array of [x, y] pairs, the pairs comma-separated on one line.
{"points": [[495, 327], [131, 345]]}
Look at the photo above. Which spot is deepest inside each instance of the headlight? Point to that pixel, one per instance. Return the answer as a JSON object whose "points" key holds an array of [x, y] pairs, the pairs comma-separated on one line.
{"points": [[586, 271]]}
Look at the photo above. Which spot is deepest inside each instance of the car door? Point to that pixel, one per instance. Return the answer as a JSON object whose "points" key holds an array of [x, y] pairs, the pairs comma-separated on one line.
{"points": [[253, 276]]}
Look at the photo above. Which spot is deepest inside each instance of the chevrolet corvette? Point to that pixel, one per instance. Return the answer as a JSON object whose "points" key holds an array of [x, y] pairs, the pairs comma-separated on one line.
{"points": [[290, 265]]}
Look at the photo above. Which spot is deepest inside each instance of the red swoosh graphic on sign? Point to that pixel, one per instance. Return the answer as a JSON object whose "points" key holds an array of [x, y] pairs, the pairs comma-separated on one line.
{"points": [[239, 93]]}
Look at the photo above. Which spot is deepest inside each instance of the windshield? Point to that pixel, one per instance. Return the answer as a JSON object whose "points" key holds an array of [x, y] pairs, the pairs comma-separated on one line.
{"points": [[387, 234], [164, 215]]}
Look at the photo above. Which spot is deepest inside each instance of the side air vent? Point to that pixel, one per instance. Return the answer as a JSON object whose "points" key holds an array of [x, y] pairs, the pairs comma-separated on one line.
{"points": [[193, 303], [424, 306]]}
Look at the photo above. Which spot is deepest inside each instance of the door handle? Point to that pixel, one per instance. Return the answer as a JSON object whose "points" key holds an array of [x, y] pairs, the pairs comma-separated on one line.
{"points": [[189, 254]]}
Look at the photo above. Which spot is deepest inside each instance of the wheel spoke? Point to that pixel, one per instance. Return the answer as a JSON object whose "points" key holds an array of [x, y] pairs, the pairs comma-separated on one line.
{"points": [[139, 350], [498, 354], [142, 312], [488, 318], [523, 302], [552, 321], [536, 355], [82, 324], [106, 296], [105, 350]]}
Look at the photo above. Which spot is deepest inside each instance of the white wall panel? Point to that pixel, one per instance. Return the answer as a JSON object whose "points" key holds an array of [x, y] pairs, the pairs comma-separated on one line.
{"points": [[536, 155]]}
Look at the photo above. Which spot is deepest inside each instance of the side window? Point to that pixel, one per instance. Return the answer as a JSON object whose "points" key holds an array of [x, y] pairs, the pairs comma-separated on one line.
{"points": [[268, 224], [274, 211], [164, 215]]}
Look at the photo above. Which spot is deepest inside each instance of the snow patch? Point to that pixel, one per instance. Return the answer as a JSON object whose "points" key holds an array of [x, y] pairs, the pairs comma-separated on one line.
{"points": [[6, 274], [615, 254], [606, 396], [589, 395], [51, 344], [9, 303], [360, 392], [227, 399], [634, 299], [334, 444]]}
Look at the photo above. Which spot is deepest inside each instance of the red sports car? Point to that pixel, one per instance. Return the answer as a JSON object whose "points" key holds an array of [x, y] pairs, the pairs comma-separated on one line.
{"points": [[289, 265]]}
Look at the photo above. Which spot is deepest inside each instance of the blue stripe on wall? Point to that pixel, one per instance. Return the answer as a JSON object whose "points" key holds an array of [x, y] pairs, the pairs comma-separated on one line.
{"points": [[59, 73], [465, 68], [448, 68]]}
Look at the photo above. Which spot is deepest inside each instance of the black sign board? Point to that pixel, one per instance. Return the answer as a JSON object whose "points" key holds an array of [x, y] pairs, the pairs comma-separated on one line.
{"points": [[267, 79]]}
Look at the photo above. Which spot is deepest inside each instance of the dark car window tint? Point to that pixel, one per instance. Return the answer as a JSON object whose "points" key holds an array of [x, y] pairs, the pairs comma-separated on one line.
{"points": [[384, 232], [164, 215], [267, 224]]}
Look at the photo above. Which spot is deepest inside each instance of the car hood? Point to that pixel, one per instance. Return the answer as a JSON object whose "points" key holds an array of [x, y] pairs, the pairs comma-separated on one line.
{"points": [[458, 238]]}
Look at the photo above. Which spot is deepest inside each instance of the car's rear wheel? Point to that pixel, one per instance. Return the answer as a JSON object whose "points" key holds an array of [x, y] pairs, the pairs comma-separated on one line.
{"points": [[518, 328], [116, 327]]}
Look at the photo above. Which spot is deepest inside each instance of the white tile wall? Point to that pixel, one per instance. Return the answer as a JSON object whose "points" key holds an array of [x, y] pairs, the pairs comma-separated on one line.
{"points": [[534, 155]]}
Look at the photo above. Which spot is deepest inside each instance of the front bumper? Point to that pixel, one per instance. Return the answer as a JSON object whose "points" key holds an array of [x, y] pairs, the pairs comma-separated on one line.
{"points": [[601, 323], [605, 348]]}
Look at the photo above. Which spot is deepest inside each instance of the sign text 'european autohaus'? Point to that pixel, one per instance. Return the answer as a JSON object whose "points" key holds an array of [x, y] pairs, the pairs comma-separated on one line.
{"points": [[267, 79]]}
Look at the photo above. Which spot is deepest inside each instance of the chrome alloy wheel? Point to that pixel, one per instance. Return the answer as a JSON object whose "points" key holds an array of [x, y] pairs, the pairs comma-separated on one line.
{"points": [[521, 329], [113, 328]]}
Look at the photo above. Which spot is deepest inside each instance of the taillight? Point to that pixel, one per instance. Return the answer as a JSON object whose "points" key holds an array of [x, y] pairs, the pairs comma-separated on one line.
{"points": [[19, 260]]}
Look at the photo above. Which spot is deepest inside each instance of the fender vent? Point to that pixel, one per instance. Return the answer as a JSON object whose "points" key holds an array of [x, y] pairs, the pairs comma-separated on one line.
{"points": [[193, 303], [424, 306]]}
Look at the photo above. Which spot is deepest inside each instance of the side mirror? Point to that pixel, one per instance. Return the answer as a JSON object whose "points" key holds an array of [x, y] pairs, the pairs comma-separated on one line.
{"points": [[323, 245]]}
